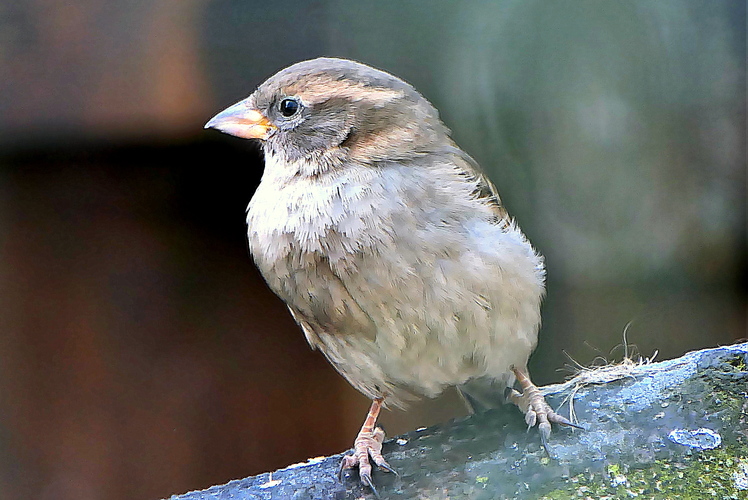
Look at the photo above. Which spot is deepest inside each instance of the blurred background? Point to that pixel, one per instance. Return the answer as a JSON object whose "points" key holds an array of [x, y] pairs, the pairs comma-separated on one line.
{"points": [[141, 354]]}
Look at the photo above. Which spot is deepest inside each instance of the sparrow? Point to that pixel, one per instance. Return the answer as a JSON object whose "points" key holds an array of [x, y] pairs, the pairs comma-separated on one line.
{"points": [[389, 244]]}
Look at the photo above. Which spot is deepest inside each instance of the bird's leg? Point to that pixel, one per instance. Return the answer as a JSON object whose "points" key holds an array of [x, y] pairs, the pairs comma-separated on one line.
{"points": [[532, 403], [368, 443]]}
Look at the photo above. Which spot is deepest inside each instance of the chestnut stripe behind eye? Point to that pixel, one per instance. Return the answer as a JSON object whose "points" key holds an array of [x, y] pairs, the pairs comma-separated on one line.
{"points": [[322, 88]]}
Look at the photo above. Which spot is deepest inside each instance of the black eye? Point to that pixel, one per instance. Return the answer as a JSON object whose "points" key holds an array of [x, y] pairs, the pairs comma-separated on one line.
{"points": [[289, 106]]}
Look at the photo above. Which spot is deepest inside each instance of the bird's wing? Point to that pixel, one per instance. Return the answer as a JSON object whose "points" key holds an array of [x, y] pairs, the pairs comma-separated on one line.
{"points": [[333, 321], [484, 191], [323, 306]]}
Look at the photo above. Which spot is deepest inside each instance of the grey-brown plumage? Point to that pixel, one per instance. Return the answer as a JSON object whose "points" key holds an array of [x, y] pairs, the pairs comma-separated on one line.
{"points": [[387, 242]]}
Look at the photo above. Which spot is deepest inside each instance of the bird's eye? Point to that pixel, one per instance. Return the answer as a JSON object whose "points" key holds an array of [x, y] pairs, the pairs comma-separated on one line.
{"points": [[289, 106]]}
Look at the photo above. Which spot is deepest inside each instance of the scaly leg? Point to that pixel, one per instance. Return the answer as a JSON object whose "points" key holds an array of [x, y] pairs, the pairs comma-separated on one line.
{"points": [[368, 443], [532, 403]]}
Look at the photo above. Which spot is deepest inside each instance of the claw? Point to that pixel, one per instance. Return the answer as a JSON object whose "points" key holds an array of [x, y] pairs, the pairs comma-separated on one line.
{"points": [[561, 420], [366, 480], [531, 418], [368, 446], [345, 463], [537, 412], [385, 466]]}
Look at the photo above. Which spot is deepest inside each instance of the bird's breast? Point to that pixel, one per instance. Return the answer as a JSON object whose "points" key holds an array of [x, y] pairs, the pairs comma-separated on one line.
{"points": [[449, 295], [333, 215]]}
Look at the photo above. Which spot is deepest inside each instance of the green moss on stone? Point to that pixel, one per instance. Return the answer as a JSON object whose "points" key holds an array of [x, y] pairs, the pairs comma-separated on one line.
{"points": [[708, 474]]}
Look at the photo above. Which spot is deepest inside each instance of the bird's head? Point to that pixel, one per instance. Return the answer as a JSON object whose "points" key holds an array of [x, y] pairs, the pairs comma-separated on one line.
{"points": [[335, 107]]}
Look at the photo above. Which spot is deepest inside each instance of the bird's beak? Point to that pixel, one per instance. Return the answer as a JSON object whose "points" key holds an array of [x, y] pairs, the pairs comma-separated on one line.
{"points": [[241, 121]]}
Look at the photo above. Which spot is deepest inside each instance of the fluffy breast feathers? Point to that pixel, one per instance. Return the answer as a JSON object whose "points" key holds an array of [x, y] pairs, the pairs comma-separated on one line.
{"points": [[390, 265]]}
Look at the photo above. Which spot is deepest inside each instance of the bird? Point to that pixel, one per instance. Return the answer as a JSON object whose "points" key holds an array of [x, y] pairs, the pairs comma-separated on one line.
{"points": [[389, 245]]}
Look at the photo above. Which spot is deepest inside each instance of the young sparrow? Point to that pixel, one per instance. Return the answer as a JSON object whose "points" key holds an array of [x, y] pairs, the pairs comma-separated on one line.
{"points": [[388, 243]]}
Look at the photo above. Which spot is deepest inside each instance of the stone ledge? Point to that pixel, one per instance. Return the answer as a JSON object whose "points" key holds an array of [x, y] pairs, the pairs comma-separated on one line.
{"points": [[677, 428]]}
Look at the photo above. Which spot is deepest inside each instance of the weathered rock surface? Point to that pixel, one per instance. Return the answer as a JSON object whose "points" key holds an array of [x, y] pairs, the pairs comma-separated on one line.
{"points": [[676, 428]]}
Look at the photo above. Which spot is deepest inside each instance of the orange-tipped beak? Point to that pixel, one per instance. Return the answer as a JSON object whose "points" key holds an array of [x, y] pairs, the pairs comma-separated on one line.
{"points": [[243, 122]]}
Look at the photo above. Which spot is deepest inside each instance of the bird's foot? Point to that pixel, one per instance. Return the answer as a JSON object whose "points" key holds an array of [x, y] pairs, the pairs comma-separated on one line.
{"points": [[368, 445], [532, 403]]}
